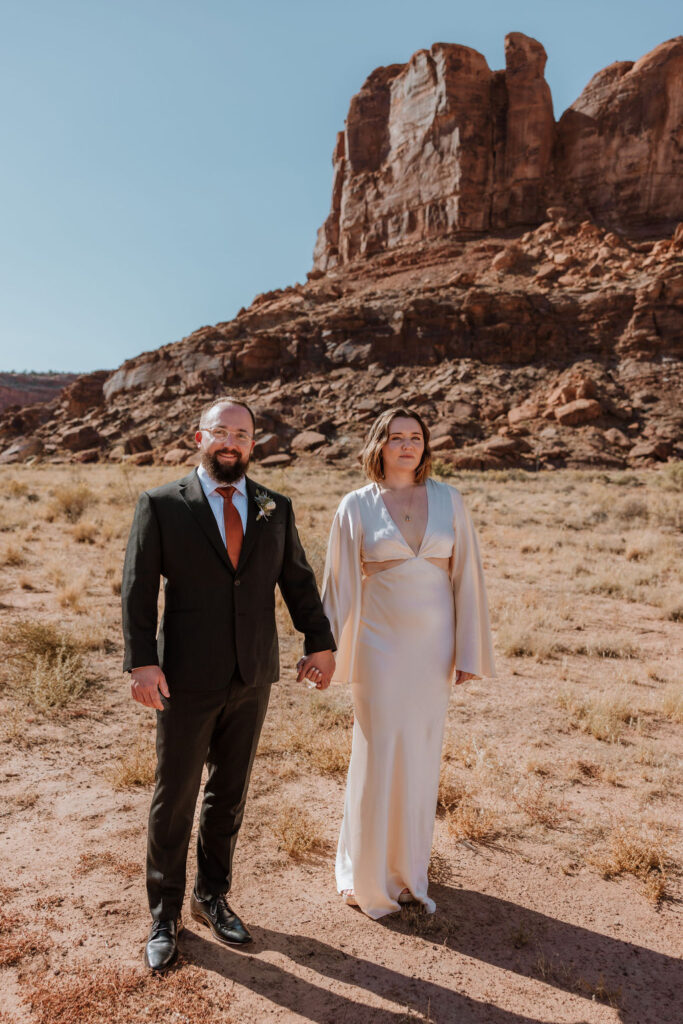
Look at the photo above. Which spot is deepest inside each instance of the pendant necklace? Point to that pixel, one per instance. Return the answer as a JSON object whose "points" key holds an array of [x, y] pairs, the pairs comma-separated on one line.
{"points": [[406, 515]]}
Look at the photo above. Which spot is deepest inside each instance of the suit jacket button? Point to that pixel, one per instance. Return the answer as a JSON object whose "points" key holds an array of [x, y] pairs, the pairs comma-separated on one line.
{"points": [[237, 582]]}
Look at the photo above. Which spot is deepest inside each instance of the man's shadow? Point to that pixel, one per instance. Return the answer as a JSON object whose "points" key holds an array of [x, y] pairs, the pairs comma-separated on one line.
{"points": [[642, 984]]}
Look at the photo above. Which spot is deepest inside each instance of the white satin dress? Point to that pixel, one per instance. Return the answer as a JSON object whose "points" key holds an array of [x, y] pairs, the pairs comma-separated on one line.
{"points": [[400, 633]]}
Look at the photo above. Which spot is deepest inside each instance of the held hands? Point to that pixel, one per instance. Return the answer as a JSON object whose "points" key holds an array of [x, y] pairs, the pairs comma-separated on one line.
{"points": [[317, 667], [463, 677], [145, 685]]}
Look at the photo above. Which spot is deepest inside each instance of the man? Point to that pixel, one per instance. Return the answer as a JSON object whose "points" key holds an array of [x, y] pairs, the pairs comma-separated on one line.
{"points": [[222, 543]]}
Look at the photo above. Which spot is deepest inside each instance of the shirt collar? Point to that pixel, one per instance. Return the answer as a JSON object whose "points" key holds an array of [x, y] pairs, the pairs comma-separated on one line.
{"points": [[209, 485]]}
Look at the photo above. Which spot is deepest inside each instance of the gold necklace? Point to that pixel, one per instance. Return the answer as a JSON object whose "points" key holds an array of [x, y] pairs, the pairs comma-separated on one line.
{"points": [[406, 515]]}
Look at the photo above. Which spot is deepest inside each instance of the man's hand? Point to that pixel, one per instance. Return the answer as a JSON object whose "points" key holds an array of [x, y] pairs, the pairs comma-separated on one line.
{"points": [[462, 677], [318, 667], [145, 684]]}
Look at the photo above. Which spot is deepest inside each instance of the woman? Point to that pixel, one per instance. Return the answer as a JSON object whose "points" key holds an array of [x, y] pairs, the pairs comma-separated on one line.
{"points": [[404, 593]]}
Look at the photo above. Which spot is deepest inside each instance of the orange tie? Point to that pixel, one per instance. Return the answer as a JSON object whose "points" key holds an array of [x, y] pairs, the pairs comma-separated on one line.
{"points": [[234, 532]]}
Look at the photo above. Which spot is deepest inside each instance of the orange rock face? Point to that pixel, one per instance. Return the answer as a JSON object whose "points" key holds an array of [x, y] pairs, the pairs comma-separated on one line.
{"points": [[443, 145]]}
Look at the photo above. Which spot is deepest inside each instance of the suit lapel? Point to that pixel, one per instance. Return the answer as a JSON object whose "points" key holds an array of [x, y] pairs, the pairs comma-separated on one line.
{"points": [[195, 499], [251, 530]]}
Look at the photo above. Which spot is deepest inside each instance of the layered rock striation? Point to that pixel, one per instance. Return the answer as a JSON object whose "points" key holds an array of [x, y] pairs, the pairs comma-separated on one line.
{"points": [[559, 344], [443, 146]]}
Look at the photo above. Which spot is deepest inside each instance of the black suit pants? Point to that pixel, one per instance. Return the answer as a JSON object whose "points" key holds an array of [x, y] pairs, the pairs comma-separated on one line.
{"points": [[219, 728]]}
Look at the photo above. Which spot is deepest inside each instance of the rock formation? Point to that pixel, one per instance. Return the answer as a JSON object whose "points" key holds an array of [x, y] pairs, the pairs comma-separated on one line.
{"points": [[443, 146], [17, 389], [558, 345]]}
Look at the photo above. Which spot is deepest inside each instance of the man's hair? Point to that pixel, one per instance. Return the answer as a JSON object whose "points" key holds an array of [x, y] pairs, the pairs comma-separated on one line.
{"points": [[371, 454], [225, 400]]}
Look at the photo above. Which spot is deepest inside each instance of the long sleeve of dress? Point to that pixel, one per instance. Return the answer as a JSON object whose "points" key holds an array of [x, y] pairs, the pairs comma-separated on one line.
{"points": [[341, 594], [473, 646]]}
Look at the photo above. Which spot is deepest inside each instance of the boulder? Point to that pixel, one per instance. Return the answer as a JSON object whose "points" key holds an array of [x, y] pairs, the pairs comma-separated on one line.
{"points": [[267, 444], [136, 443], [528, 410], [582, 410], [88, 455], [281, 459], [307, 441], [79, 438], [175, 456], [658, 449], [442, 443], [21, 449]]}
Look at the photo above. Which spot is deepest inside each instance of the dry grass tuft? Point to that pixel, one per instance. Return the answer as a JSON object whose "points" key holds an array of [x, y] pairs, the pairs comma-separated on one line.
{"points": [[538, 806], [137, 766], [672, 702], [86, 532], [94, 861], [452, 791], [607, 647], [471, 822], [320, 734], [603, 715], [46, 665], [70, 500], [13, 557], [634, 849], [17, 942], [121, 995], [298, 834], [562, 975]]}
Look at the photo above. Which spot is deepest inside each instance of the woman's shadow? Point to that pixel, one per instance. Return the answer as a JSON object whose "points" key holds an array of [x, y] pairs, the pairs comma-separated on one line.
{"points": [[641, 984]]}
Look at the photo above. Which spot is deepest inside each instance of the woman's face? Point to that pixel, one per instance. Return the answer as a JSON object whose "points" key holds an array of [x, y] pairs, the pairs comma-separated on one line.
{"points": [[404, 446]]}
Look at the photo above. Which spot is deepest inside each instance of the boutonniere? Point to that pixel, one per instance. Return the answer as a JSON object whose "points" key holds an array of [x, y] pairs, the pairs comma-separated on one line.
{"points": [[266, 505]]}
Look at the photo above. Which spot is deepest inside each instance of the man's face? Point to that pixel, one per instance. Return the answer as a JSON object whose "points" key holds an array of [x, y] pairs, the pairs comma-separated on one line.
{"points": [[225, 454]]}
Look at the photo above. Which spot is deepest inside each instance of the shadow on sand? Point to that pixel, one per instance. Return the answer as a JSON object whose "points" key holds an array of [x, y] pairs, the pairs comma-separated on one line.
{"points": [[641, 983]]}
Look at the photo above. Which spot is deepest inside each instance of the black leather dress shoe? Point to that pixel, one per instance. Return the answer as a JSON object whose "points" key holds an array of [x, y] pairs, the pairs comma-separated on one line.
{"points": [[223, 922], [162, 944]]}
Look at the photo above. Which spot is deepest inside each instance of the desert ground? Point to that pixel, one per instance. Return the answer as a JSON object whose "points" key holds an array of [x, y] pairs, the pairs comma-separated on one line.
{"points": [[557, 853]]}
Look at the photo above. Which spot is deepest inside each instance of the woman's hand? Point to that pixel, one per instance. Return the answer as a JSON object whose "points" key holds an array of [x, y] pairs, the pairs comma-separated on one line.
{"points": [[463, 677]]}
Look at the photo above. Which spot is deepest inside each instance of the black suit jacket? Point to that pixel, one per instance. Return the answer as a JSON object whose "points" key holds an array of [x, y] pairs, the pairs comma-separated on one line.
{"points": [[216, 618]]}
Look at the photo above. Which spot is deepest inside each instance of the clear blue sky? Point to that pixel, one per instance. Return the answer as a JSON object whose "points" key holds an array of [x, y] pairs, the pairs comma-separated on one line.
{"points": [[166, 160]]}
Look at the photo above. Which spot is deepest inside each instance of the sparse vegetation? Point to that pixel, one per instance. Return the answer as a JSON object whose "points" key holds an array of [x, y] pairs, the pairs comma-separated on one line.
{"points": [[634, 849], [298, 834], [70, 500], [136, 767], [46, 666], [604, 715], [579, 729], [108, 861], [471, 822]]}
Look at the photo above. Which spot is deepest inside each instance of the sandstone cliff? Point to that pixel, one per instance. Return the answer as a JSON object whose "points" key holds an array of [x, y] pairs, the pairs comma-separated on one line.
{"points": [[527, 335], [17, 389], [443, 146]]}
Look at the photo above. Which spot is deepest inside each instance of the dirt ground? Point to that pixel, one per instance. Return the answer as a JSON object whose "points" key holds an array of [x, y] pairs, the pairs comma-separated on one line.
{"points": [[557, 853]]}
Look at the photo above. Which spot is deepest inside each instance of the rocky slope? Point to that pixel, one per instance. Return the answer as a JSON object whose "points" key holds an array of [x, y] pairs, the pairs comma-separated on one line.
{"points": [[555, 345], [17, 389]]}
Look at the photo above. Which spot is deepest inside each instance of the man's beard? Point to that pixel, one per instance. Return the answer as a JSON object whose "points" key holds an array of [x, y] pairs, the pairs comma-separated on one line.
{"points": [[224, 474]]}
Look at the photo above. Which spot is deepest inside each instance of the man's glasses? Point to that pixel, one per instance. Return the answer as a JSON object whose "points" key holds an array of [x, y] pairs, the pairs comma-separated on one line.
{"points": [[221, 434]]}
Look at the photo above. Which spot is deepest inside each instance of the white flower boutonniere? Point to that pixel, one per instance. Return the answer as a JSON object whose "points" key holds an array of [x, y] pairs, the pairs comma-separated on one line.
{"points": [[266, 505]]}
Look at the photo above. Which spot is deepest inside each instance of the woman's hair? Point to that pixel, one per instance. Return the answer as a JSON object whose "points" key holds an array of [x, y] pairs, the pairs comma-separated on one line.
{"points": [[371, 454]]}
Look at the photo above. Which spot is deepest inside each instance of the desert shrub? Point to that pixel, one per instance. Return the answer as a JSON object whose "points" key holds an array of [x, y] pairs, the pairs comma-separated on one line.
{"points": [[672, 702], [670, 476], [470, 821], [70, 500], [299, 835], [13, 556], [45, 664], [634, 849], [136, 767], [602, 715]]}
